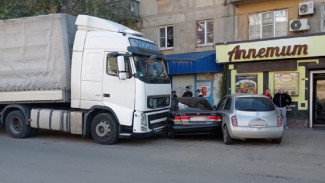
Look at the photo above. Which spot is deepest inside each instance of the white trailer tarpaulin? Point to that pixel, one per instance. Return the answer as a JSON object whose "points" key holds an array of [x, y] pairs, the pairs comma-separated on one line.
{"points": [[35, 53]]}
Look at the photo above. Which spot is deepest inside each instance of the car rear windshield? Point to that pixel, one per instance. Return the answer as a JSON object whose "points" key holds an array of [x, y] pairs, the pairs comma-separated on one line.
{"points": [[200, 105], [254, 104]]}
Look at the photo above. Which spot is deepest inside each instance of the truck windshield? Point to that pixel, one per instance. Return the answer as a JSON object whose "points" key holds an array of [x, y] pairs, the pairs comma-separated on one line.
{"points": [[151, 71]]}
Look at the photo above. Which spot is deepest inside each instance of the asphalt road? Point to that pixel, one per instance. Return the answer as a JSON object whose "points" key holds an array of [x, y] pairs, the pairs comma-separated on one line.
{"points": [[55, 157]]}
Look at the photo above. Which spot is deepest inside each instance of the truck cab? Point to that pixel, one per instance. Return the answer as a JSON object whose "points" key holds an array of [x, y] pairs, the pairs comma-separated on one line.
{"points": [[115, 69]]}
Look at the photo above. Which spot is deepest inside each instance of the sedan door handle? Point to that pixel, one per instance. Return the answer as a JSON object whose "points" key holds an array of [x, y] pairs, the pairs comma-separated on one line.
{"points": [[106, 95]]}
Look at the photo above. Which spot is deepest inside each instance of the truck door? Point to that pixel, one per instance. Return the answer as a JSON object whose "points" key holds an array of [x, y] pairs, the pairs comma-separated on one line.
{"points": [[119, 94]]}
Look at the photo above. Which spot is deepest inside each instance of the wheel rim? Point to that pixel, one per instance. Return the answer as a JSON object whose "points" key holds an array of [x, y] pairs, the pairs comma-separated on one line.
{"points": [[103, 129], [16, 126]]}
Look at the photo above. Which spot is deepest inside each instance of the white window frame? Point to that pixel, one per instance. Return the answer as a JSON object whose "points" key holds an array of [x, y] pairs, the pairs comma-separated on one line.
{"points": [[322, 28], [205, 32], [261, 24], [165, 47]]}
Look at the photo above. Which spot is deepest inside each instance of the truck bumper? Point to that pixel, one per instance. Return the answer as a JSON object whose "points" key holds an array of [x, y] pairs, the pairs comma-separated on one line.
{"points": [[149, 122], [160, 131]]}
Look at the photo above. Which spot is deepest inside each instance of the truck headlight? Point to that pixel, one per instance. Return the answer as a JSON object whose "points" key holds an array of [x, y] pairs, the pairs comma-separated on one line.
{"points": [[153, 103], [143, 119], [168, 100]]}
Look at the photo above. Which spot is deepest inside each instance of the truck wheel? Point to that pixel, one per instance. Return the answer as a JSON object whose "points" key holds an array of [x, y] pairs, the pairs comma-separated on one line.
{"points": [[104, 129], [16, 125], [226, 137]]}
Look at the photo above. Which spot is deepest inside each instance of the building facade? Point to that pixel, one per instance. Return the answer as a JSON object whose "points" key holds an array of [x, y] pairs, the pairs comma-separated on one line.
{"points": [[190, 27], [262, 44], [278, 44]]}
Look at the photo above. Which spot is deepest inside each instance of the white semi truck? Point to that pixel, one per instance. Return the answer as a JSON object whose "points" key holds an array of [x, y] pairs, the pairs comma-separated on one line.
{"points": [[83, 75]]}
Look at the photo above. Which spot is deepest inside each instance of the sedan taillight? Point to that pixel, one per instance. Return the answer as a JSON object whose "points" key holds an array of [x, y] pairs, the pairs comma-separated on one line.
{"points": [[234, 121], [214, 118], [279, 124], [181, 118]]}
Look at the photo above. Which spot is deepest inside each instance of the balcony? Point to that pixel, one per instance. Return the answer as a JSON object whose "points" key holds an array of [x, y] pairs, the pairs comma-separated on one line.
{"points": [[125, 10]]}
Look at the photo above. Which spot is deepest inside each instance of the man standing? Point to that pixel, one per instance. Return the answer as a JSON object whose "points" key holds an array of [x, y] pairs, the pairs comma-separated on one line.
{"points": [[282, 100], [188, 93], [174, 94], [198, 93]]}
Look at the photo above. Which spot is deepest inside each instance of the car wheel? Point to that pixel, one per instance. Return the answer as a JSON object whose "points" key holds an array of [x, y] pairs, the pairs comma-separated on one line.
{"points": [[226, 137], [276, 141], [16, 125], [104, 129]]}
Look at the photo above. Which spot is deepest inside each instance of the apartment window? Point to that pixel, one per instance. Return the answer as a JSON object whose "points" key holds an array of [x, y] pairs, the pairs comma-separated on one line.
{"points": [[166, 37], [204, 32], [268, 24], [323, 18]]}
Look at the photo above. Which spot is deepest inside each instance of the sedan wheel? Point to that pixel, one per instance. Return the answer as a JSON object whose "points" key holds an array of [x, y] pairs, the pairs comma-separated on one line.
{"points": [[226, 137]]}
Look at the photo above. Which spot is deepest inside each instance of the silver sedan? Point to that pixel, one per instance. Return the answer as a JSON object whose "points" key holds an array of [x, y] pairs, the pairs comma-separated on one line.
{"points": [[249, 117]]}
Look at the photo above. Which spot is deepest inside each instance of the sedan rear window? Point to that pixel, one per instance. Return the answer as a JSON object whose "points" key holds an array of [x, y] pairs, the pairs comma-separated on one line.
{"points": [[199, 105], [254, 104]]}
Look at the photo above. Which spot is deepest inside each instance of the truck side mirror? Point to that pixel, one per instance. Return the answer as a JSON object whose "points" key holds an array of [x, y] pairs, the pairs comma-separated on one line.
{"points": [[121, 68]]}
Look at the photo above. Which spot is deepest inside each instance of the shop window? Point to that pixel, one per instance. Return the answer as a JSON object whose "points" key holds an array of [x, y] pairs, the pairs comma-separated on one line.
{"points": [[323, 18], [268, 24], [166, 37], [204, 32]]}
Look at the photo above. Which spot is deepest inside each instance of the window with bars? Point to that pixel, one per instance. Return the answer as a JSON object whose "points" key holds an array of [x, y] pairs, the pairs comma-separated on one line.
{"points": [[268, 24], [166, 37], [204, 32]]}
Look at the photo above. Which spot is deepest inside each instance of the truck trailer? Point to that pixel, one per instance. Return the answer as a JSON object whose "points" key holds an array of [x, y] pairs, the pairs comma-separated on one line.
{"points": [[81, 75]]}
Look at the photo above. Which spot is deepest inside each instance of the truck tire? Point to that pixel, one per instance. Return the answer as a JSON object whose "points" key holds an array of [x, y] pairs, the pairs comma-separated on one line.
{"points": [[226, 137], [16, 125], [104, 129]]}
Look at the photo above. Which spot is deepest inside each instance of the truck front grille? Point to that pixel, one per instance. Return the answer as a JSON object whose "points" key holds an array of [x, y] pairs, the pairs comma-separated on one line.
{"points": [[154, 102], [153, 117]]}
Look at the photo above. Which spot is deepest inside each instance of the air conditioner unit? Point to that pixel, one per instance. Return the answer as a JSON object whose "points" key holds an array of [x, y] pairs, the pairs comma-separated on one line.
{"points": [[306, 8], [299, 25]]}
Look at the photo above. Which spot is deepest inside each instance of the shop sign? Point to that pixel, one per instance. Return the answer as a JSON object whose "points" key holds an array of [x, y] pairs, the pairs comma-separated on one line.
{"points": [[239, 54], [296, 47]]}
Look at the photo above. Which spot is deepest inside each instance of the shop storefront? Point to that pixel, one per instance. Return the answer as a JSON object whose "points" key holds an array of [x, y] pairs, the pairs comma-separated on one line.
{"points": [[296, 64], [199, 71]]}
